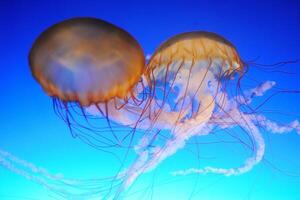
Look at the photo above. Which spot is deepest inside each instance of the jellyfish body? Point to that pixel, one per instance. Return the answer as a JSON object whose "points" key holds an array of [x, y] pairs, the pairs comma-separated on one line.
{"points": [[86, 60], [185, 65]]}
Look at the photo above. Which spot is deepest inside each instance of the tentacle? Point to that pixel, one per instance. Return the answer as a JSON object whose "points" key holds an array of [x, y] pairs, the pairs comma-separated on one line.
{"points": [[60, 186]]}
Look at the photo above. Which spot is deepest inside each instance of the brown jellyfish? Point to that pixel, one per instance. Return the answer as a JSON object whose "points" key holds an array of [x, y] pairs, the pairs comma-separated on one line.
{"points": [[81, 62], [86, 60], [184, 67]]}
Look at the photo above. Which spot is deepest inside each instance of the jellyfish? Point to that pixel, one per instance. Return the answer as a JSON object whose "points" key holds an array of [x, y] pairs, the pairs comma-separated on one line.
{"points": [[80, 63], [86, 61], [190, 76], [100, 83]]}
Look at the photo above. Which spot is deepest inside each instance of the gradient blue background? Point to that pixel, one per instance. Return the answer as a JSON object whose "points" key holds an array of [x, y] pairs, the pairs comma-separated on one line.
{"points": [[29, 128]]}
